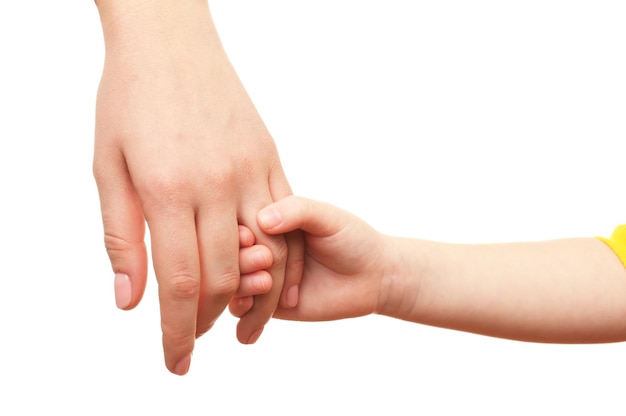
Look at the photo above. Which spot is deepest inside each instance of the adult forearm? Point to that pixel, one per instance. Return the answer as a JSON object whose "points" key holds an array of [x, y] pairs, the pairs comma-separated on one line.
{"points": [[138, 25], [571, 290], [171, 41]]}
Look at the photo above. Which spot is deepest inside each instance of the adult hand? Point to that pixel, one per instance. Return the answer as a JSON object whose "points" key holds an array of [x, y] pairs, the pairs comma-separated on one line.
{"points": [[180, 146]]}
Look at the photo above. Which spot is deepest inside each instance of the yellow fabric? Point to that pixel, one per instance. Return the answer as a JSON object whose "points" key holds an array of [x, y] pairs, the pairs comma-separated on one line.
{"points": [[617, 242]]}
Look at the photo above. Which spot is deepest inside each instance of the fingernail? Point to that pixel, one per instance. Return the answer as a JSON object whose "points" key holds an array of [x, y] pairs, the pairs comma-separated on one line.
{"points": [[292, 296], [255, 336], [269, 218], [182, 367], [259, 259], [123, 290]]}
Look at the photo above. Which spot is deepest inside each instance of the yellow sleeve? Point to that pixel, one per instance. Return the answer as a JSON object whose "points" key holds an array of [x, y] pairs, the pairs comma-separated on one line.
{"points": [[617, 242]]}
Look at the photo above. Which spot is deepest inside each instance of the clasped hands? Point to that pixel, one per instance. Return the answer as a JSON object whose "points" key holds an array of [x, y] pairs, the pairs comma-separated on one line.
{"points": [[180, 147]]}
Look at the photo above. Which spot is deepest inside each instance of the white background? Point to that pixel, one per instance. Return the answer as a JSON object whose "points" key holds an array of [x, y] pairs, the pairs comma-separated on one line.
{"points": [[461, 121]]}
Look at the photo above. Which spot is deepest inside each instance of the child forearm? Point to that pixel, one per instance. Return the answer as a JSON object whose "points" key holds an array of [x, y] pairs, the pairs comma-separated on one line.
{"points": [[566, 291]]}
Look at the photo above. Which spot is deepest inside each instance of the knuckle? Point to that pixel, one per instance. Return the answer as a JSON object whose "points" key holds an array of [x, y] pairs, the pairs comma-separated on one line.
{"points": [[170, 188], [165, 189], [220, 177], [222, 174], [280, 252], [116, 244], [182, 287], [118, 247], [225, 285], [247, 164]]}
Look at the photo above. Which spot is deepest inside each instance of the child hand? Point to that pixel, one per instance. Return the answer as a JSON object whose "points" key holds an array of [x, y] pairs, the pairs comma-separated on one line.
{"points": [[345, 261], [254, 260]]}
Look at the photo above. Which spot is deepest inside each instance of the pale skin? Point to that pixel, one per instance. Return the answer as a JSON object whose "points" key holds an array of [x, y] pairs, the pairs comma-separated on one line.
{"points": [[560, 291], [179, 146]]}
